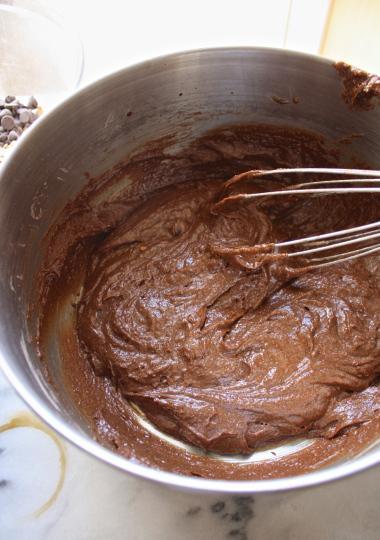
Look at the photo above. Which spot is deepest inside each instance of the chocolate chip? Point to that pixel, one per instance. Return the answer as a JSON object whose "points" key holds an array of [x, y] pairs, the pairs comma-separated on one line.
{"points": [[7, 122], [218, 507], [5, 112], [12, 106], [24, 115], [32, 103], [16, 117], [32, 117], [12, 136]]}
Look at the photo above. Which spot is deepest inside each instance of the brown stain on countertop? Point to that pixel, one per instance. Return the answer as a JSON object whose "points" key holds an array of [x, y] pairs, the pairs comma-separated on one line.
{"points": [[27, 420]]}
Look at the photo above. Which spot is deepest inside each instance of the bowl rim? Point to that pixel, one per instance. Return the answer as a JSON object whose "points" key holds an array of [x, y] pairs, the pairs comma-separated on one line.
{"points": [[94, 448]]}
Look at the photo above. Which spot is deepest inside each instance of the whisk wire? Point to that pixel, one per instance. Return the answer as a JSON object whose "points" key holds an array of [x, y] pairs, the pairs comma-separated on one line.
{"points": [[367, 234]]}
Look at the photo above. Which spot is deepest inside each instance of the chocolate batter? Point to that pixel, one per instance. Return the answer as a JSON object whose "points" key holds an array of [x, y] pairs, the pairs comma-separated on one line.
{"points": [[361, 90], [179, 318]]}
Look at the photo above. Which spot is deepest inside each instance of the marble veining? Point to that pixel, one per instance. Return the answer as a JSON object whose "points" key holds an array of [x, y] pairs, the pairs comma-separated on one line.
{"points": [[237, 513]]}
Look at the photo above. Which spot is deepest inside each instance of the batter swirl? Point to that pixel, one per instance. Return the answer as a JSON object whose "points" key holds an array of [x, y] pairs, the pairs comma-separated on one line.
{"points": [[219, 351]]}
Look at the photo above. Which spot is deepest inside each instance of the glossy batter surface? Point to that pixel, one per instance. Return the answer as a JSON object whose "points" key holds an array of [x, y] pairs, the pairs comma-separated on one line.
{"points": [[218, 351]]}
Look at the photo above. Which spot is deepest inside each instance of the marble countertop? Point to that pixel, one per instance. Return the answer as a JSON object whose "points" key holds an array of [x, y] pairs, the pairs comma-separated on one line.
{"points": [[51, 490]]}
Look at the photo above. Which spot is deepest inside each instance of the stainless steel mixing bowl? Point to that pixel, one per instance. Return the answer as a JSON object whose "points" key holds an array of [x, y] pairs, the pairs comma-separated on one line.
{"points": [[90, 132]]}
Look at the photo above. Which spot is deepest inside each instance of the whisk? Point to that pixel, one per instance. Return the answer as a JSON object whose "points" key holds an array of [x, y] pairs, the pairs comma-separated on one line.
{"points": [[323, 249]]}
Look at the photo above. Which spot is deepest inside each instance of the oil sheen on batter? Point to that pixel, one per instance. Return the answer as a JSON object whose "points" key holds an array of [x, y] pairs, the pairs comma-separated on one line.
{"points": [[215, 349]]}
